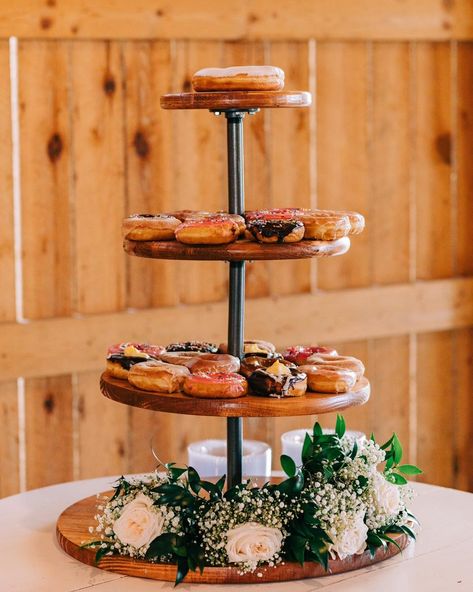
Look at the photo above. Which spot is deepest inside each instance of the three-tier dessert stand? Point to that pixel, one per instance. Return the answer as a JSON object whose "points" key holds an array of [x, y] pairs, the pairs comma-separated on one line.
{"points": [[234, 106]]}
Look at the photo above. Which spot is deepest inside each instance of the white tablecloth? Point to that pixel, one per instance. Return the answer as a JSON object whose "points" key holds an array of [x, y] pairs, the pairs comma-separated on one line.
{"points": [[31, 560]]}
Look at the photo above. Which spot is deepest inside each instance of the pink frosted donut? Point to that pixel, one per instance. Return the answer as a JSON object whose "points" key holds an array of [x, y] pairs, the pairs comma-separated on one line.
{"points": [[298, 354]]}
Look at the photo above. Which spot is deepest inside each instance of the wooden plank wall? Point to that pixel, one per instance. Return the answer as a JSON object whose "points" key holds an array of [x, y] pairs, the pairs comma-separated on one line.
{"points": [[84, 143]]}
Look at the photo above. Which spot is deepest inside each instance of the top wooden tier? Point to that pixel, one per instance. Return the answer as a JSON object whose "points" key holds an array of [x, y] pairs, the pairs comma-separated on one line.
{"points": [[237, 100]]}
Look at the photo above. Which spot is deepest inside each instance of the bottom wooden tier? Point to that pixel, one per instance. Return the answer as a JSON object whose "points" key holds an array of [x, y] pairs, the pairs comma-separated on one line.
{"points": [[73, 530], [248, 406]]}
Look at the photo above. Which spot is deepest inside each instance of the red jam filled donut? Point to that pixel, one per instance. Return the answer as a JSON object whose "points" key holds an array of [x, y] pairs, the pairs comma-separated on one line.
{"points": [[267, 230], [298, 354], [278, 381], [158, 376], [217, 230], [344, 362], [215, 385], [238, 78], [222, 363], [144, 227], [328, 379]]}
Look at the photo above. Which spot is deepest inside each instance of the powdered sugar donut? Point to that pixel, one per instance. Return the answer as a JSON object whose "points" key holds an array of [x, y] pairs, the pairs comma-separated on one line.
{"points": [[158, 376], [144, 227]]}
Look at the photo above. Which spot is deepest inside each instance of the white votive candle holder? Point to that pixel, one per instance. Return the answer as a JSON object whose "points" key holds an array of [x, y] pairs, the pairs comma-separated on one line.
{"points": [[209, 458], [292, 442]]}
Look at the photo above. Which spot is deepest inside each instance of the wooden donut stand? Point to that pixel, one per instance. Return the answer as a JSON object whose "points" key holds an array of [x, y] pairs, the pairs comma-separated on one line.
{"points": [[73, 524]]}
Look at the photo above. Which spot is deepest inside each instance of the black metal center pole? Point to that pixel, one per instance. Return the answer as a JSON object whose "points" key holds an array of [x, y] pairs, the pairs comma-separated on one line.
{"points": [[236, 309]]}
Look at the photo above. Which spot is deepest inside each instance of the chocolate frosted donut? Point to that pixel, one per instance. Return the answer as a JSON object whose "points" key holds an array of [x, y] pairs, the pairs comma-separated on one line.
{"points": [[253, 362], [193, 346], [278, 381], [118, 364], [266, 230]]}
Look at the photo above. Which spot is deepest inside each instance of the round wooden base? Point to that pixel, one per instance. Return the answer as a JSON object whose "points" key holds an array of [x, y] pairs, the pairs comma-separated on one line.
{"points": [[72, 531], [240, 250], [236, 100], [248, 406]]}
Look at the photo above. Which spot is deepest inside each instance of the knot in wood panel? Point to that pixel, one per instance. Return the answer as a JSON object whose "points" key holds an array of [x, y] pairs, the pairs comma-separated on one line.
{"points": [[141, 144], [109, 85], [49, 403], [55, 147], [443, 145]]}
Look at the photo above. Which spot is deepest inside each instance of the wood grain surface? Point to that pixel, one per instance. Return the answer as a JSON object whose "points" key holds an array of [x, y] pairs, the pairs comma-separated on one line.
{"points": [[241, 250], [72, 530], [248, 406], [222, 101]]}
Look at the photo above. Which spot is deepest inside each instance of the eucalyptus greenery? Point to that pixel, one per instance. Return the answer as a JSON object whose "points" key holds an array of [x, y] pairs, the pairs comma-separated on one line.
{"points": [[334, 504]]}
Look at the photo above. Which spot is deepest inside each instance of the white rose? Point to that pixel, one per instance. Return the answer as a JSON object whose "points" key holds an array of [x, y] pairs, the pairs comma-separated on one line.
{"points": [[252, 542], [352, 539], [139, 523], [386, 495]]}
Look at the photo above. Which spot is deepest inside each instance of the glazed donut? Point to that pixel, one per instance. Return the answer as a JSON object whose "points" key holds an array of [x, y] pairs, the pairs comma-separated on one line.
{"points": [[299, 353], [238, 78], [357, 221], [193, 346], [328, 379], [144, 227], [251, 346], [343, 362], [184, 215], [214, 230], [268, 230], [212, 363], [278, 381], [216, 385], [180, 358], [157, 376]]}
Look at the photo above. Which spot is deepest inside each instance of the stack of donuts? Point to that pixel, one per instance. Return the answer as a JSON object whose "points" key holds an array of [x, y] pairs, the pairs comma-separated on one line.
{"points": [[279, 225], [201, 369]]}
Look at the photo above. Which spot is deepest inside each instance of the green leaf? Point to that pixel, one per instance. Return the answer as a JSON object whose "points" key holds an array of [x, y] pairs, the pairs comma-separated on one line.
{"points": [[397, 448], [354, 451], [182, 570], [194, 480], [292, 485], [174, 472], [340, 427], [388, 443], [318, 429], [306, 448], [221, 482], [385, 537], [372, 438], [397, 479], [409, 532], [288, 465], [100, 553], [409, 469]]}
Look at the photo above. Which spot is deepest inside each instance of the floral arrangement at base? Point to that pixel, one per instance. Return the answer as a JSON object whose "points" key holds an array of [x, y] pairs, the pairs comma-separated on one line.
{"points": [[337, 503]]}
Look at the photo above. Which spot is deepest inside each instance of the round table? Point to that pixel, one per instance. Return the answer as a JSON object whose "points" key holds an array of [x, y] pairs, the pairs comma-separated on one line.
{"points": [[32, 561]]}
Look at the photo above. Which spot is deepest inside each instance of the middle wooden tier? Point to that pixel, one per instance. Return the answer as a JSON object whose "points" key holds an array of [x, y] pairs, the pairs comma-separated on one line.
{"points": [[247, 406], [240, 250]]}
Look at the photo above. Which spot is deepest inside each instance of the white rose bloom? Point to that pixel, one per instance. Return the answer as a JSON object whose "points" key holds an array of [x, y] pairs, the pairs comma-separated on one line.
{"points": [[139, 523], [386, 495], [352, 539], [252, 542]]}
